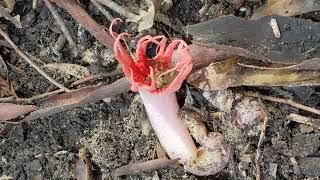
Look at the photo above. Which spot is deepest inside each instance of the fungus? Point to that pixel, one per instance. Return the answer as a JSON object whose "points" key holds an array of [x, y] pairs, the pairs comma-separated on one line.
{"points": [[157, 79]]}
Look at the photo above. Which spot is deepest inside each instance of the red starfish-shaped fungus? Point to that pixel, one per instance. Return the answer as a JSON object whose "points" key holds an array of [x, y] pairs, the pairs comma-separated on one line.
{"points": [[158, 74]]}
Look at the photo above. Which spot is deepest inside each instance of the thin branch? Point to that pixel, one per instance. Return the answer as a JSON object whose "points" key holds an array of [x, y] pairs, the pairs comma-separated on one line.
{"points": [[283, 101], [119, 9], [102, 10], [28, 60], [312, 49], [78, 98], [36, 4], [116, 72], [31, 99], [82, 17], [261, 139], [258, 151], [60, 23], [305, 120]]}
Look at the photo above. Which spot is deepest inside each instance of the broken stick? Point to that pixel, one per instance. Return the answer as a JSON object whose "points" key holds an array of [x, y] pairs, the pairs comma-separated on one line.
{"points": [[28, 60]]}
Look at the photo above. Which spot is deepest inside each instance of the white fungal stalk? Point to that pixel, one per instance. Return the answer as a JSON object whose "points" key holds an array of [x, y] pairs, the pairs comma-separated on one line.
{"points": [[172, 132]]}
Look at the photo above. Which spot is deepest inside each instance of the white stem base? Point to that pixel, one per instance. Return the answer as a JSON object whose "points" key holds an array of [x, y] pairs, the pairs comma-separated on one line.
{"points": [[172, 132]]}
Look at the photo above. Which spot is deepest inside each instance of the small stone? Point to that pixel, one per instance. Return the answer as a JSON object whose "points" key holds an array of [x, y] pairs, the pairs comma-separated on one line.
{"points": [[273, 170], [4, 160], [156, 177], [35, 166], [185, 176], [107, 100], [243, 9], [57, 154], [223, 100], [146, 128], [249, 112], [305, 144], [89, 56], [107, 57], [305, 129], [310, 166], [38, 156]]}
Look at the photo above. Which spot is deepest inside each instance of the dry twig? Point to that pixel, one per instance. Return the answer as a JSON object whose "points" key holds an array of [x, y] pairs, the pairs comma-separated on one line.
{"points": [[305, 120], [261, 139], [28, 60], [3, 64], [79, 97], [283, 101], [60, 23], [83, 169], [119, 9], [58, 46], [116, 72], [31, 99], [82, 17], [102, 10], [295, 166]]}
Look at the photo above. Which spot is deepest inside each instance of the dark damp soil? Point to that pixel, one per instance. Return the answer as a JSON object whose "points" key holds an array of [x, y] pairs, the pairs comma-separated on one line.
{"points": [[116, 131]]}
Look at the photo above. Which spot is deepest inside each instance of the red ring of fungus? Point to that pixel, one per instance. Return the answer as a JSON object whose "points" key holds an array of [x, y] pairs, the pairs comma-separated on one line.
{"points": [[141, 72]]}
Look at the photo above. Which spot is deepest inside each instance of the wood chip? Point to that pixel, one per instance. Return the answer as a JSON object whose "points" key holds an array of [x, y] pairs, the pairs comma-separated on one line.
{"points": [[275, 28]]}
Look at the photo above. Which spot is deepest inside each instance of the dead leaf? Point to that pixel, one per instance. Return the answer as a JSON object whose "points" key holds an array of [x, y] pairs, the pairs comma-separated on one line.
{"points": [[287, 8], [142, 17], [10, 111], [299, 37], [83, 169], [4, 12], [147, 17], [5, 177], [6, 88], [157, 4], [69, 69], [8, 4], [235, 72], [66, 101], [89, 56]]}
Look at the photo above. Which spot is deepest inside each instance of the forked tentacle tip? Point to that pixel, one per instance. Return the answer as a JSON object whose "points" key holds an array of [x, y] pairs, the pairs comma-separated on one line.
{"points": [[113, 22]]}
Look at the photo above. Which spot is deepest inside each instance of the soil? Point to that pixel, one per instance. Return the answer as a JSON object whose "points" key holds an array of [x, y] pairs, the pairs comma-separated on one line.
{"points": [[116, 131]]}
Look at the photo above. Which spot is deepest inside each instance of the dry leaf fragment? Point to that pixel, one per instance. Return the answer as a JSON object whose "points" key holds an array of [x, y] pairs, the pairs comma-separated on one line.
{"points": [[234, 72], [287, 8], [5, 177], [8, 4], [298, 36], [83, 169], [4, 12], [144, 19], [10, 111], [6, 88], [147, 17], [69, 69], [66, 101]]}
